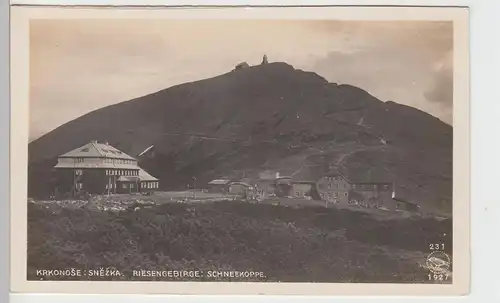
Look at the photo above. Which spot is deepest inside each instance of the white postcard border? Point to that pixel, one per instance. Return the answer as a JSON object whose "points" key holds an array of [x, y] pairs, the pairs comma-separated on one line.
{"points": [[19, 139]]}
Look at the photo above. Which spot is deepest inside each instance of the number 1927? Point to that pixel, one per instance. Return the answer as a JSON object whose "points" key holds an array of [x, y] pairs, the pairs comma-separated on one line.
{"points": [[440, 277], [436, 246]]}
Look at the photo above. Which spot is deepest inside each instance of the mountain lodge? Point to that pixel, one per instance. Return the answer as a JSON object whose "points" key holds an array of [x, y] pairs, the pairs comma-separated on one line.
{"points": [[99, 168]]}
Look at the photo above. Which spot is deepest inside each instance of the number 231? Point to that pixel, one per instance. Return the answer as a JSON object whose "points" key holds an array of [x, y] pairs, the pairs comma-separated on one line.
{"points": [[436, 246]]}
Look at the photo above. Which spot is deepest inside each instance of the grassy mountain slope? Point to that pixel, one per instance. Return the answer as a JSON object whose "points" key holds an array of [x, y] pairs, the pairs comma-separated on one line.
{"points": [[265, 117]]}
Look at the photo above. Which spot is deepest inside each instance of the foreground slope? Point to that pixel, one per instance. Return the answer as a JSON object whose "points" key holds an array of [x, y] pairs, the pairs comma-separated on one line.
{"points": [[266, 117], [286, 244]]}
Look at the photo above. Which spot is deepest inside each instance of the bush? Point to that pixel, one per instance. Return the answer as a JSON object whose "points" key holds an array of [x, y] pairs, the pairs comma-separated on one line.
{"points": [[295, 245]]}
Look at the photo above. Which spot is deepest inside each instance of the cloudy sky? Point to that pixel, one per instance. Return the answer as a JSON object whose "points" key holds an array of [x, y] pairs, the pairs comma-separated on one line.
{"points": [[81, 65]]}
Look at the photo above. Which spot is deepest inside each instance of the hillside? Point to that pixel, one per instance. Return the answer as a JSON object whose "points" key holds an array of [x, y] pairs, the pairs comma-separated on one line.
{"points": [[313, 244], [265, 117]]}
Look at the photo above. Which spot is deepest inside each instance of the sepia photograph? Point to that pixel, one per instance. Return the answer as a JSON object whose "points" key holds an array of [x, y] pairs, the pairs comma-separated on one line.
{"points": [[199, 147]]}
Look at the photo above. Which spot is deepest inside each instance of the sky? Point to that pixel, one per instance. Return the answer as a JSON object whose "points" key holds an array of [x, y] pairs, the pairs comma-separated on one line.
{"points": [[77, 66]]}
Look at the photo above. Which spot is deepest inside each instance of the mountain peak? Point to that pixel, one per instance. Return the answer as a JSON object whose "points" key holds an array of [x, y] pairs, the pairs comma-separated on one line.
{"points": [[266, 115]]}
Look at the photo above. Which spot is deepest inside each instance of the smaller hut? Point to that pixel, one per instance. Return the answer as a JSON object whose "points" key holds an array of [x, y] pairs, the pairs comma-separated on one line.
{"points": [[241, 65], [242, 189], [219, 186]]}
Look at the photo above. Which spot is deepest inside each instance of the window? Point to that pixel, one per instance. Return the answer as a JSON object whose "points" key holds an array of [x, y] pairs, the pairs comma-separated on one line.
{"points": [[132, 185], [329, 185]]}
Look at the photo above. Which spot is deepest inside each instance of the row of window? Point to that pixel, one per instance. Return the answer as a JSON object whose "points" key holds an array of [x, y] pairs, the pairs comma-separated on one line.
{"points": [[121, 172], [109, 160], [333, 178], [149, 185], [118, 161], [132, 185], [332, 195], [331, 185], [125, 185]]}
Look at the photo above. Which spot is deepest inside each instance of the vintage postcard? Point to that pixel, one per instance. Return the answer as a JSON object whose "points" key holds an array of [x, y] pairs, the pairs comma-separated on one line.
{"points": [[290, 151]]}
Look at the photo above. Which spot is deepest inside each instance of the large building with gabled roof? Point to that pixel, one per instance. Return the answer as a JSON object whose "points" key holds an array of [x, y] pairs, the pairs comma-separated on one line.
{"points": [[100, 168]]}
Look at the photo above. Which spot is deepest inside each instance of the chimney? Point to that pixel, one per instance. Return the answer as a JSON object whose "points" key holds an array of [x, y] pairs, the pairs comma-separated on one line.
{"points": [[277, 175]]}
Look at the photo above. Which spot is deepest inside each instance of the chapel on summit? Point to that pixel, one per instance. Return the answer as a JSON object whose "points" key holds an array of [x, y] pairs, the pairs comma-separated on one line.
{"points": [[99, 168]]}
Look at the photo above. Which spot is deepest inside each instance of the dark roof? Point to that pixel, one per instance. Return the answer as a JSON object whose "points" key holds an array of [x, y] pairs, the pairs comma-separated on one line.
{"points": [[335, 172], [372, 176]]}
